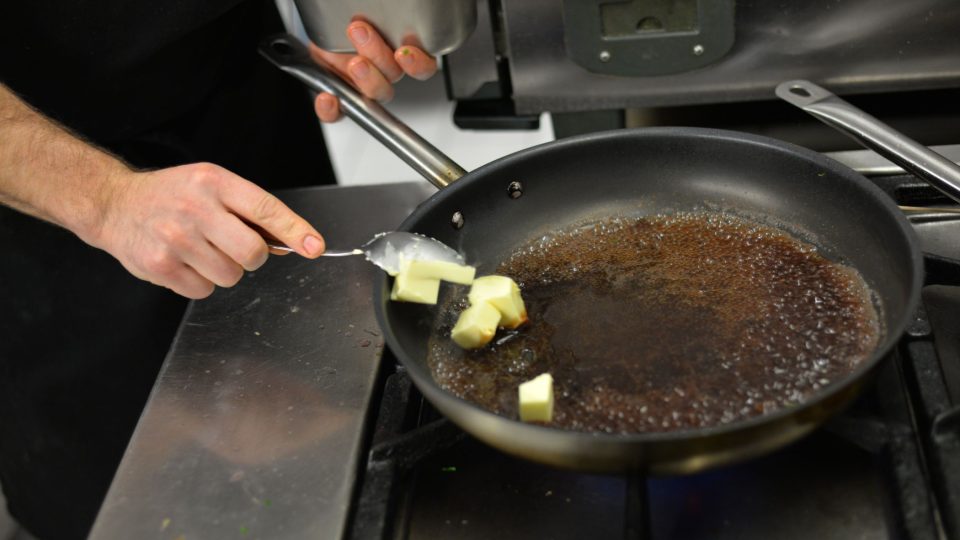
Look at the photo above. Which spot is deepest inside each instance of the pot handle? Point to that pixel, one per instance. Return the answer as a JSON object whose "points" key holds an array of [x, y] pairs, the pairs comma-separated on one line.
{"points": [[291, 55], [939, 171]]}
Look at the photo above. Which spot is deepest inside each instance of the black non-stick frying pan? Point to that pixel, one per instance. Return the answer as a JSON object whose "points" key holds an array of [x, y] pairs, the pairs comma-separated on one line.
{"points": [[489, 212]]}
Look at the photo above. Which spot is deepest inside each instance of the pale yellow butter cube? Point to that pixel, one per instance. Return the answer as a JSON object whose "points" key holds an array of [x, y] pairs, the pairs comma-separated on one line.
{"points": [[536, 399], [421, 291], [504, 294], [442, 270], [476, 326]]}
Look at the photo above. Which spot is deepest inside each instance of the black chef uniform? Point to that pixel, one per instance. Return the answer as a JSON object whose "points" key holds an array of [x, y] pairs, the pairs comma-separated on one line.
{"points": [[158, 83]]}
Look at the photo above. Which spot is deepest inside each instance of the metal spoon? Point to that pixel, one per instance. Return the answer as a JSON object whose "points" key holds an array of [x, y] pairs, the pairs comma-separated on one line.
{"points": [[385, 248]]}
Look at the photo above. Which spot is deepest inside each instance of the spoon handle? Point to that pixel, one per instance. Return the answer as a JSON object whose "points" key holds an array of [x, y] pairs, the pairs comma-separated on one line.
{"points": [[341, 252], [327, 253]]}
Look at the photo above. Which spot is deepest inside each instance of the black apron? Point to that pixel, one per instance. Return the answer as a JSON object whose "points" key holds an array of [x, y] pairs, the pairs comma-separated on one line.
{"points": [[81, 341]]}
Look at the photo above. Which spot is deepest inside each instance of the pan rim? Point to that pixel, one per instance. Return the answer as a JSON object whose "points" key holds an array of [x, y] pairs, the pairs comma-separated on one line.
{"points": [[424, 380]]}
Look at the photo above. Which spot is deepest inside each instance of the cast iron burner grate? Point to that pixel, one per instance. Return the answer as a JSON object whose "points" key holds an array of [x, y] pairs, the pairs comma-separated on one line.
{"points": [[889, 467]]}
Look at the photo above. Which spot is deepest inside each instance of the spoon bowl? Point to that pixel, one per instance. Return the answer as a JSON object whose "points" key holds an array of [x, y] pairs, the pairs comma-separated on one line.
{"points": [[386, 248]]}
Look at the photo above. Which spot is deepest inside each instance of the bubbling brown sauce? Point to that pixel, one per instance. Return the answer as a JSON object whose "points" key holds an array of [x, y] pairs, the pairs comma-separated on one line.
{"points": [[664, 323]]}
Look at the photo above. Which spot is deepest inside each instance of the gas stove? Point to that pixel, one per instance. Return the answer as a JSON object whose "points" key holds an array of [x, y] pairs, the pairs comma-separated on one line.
{"points": [[888, 467]]}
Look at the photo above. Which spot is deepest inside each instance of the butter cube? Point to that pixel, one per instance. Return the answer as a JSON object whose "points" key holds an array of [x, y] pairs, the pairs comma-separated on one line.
{"points": [[421, 291], [504, 294], [442, 270], [476, 326], [536, 399]]}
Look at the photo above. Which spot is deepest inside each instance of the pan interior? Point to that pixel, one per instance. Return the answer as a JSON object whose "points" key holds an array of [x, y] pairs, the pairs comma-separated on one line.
{"points": [[666, 322]]}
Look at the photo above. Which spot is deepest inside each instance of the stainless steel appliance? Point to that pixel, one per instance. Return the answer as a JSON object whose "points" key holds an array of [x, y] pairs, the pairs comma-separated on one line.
{"points": [[599, 64]]}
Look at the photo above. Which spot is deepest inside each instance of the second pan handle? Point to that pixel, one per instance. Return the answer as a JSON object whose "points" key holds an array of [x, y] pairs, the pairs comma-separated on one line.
{"points": [[939, 171], [290, 55]]}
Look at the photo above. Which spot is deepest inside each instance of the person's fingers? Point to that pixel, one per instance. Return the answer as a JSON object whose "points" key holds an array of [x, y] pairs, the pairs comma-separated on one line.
{"points": [[233, 237], [359, 71], [167, 271], [265, 210], [370, 45], [163, 263], [187, 282], [214, 265], [186, 243], [369, 80], [415, 62], [335, 61], [327, 107]]}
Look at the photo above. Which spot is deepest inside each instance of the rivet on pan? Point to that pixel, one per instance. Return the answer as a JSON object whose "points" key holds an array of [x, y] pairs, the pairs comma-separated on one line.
{"points": [[457, 220], [515, 190], [698, 49], [604, 56]]}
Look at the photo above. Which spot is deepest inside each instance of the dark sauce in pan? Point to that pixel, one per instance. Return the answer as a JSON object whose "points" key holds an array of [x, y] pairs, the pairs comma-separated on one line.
{"points": [[664, 323]]}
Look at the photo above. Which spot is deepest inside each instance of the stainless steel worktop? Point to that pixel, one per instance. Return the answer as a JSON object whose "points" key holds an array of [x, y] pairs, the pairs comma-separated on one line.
{"points": [[255, 423]]}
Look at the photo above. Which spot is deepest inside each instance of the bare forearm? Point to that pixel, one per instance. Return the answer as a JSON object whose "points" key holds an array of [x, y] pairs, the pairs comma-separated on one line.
{"points": [[47, 172]]}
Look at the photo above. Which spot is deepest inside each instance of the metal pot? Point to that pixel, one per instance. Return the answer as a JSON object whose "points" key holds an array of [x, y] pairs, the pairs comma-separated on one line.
{"points": [[436, 26]]}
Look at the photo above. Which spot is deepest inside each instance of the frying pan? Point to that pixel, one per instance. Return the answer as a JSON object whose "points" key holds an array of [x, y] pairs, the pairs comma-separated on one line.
{"points": [[502, 205]]}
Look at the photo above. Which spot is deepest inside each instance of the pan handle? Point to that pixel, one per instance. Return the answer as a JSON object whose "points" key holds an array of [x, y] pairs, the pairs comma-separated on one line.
{"points": [[939, 171], [291, 55]]}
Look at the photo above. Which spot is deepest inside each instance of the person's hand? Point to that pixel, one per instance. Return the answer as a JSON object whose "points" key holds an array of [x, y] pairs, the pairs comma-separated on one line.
{"points": [[373, 70], [186, 228]]}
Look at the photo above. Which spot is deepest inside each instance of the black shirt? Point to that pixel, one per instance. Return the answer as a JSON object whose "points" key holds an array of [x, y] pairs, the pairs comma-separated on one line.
{"points": [[113, 69], [166, 82], [159, 83]]}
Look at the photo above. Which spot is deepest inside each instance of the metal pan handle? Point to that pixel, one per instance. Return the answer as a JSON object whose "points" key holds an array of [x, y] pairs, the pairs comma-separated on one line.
{"points": [[939, 171], [290, 55]]}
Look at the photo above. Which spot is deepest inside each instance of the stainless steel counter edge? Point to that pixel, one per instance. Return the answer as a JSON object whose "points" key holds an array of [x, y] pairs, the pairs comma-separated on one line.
{"points": [[255, 424]]}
